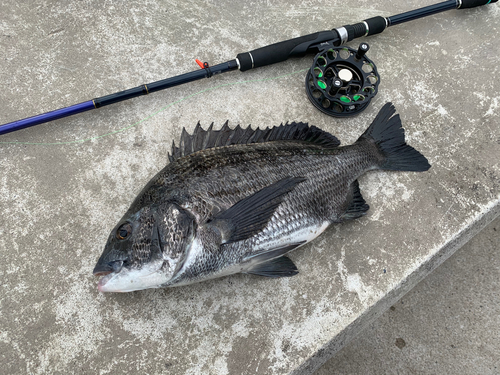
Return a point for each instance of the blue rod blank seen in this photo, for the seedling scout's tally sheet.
(45, 117)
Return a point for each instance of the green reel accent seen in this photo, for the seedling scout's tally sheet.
(342, 81)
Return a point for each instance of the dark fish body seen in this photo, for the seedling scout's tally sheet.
(238, 200)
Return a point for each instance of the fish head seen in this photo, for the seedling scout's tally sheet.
(145, 248)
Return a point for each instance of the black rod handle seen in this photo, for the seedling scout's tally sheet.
(281, 51)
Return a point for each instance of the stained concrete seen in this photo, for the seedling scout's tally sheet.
(65, 184)
(447, 324)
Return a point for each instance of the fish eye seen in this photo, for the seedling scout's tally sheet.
(124, 231)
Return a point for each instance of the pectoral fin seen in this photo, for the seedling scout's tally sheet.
(273, 263)
(251, 214)
(278, 267)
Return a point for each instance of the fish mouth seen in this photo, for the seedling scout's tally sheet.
(107, 273)
(102, 273)
(107, 268)
(101, 286)
(102, 269)
(129, 280)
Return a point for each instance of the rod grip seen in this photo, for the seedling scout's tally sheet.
(376, 25)
(475, 3)
(370, 26)
(281, 51)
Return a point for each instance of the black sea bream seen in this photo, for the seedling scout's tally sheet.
(238, 200)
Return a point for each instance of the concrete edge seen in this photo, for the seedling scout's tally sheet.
(314, 362)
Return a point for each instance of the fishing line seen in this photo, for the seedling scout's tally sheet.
(155, 113)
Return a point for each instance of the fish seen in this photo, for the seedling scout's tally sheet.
(238, 200)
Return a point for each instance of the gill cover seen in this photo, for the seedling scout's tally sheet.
(147, 257)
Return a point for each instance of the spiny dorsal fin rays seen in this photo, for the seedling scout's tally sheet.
(205, 138)
(185, 144)
(201, 139)
(235, 136)
(211, 137)
(223, 135)
(172, 155)
(246, 135)
(198, 137)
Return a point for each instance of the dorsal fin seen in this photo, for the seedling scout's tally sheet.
(204, 139)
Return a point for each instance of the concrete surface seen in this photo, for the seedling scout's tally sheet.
(447, 324)
(59, 199)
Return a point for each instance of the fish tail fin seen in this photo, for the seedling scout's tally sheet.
(387, 133)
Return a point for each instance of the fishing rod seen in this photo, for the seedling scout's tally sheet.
(340, 83)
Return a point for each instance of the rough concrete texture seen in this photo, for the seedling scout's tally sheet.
(59, 199)
(448, 324)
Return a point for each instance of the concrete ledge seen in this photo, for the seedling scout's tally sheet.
(442, 326)
(384, 303)
(59, 197)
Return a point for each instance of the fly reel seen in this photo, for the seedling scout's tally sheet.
(342, 81)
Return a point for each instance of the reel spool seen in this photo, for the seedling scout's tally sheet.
(342, 81)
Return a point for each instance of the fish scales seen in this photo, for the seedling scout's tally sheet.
(239, 206)
(222, 185)
(322, 197)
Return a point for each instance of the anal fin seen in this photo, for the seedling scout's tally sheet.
(358, 206)
(278, 267)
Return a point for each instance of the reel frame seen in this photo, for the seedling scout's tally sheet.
(342, 81)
